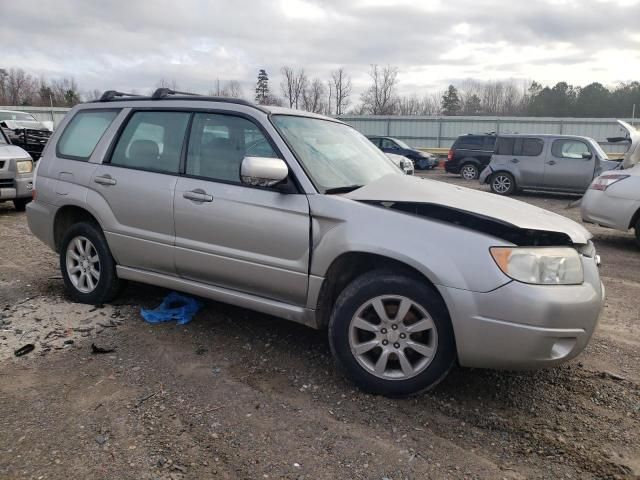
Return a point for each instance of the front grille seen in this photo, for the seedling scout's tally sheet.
(6, 182)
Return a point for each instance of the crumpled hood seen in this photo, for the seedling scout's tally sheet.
(17, 124)
(7, 152)
(404, 188)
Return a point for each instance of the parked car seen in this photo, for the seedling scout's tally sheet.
(559, 163)
(16, 174)
(321, 229)
(470, 154)
(403, 163)
(613, 200)
(422, 160)
(25, 131)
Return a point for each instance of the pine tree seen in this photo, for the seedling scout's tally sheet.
(262, 88)
(451, 101)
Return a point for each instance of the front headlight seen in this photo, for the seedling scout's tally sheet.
(540, 265)
(24, 166)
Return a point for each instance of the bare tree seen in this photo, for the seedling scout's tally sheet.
(232, 89)
(380, 97)
(19, 87)
(293, 85)
(312, 96)
(342, 90)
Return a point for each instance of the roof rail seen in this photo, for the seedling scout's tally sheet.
(111, 94)
(168, 94)
(164, 92)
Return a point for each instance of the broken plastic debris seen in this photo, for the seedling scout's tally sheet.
(173, 307)
(96, 349)
(29, 347)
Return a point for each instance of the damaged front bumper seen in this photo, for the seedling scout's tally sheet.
(485, 175)
(522, 326)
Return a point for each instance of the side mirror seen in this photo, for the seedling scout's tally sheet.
(587, 156)
(263, 171)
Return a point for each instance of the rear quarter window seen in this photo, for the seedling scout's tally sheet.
(470, 142)
(82, 134)
(524, 147)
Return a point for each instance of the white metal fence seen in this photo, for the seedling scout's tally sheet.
(440, 132)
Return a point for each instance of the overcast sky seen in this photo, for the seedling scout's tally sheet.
(132, 44)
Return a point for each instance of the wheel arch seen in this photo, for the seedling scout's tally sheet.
(635, 219)
(67, 216)
(350, 265)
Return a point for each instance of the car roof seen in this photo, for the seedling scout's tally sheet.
(542, 135)
(163, 96)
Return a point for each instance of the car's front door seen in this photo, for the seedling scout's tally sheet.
(249, 239)
(569, 165)
(133, 190)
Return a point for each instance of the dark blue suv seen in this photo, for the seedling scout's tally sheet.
(422, 160)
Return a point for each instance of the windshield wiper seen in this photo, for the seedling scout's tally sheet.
(345, 189)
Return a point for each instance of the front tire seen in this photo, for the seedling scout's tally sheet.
(391, 334)
(637, 231)
(88, 268)
(503, 183)
(20, 204)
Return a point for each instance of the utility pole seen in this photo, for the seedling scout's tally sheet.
(633, 115)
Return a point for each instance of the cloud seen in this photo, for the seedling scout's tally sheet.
(132, 45)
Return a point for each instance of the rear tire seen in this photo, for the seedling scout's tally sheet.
(503, 183)
(384, 354)
(469, 171)
(20, 204)
(87, 266)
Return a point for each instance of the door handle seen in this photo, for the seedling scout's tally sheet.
(105, 180)
(551, 162)
(198, 196)
(515, 160)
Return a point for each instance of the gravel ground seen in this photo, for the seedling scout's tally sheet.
(235, 394)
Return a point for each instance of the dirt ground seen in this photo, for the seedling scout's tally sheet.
(235, 394)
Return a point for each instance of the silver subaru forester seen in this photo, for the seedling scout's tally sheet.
(300, 216)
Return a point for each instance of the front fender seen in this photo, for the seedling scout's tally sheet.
(446, 254)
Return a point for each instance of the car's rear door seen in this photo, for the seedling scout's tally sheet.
(249, 239)
(132, 191)
(570, 165)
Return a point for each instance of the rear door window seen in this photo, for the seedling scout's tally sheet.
(153, 141)
(83, 133)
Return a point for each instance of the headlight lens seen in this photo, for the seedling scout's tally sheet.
(540, 265)
(24, 166)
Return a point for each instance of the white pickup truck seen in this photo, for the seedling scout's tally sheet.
(16, 174)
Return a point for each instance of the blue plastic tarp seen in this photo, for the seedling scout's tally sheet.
(173, 307)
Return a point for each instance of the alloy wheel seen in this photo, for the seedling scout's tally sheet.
(501, 184)
(83, 264)
(393, 337)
